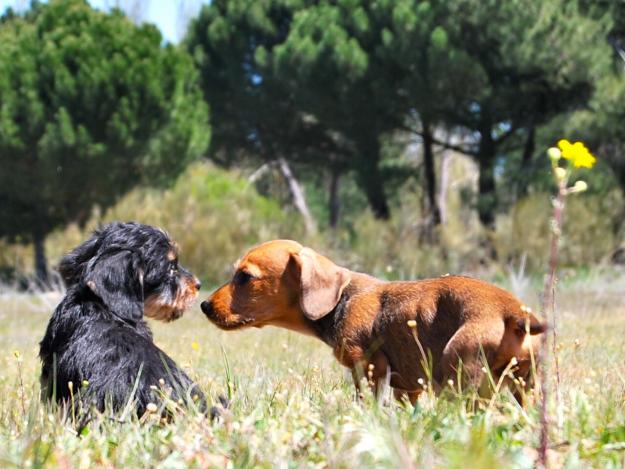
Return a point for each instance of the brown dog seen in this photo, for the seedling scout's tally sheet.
(381, 327)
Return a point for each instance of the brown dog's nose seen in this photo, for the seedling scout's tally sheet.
(207, 307)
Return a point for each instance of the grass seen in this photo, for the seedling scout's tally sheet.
(293, 405)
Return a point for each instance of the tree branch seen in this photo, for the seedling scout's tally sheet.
(297, 192)
(506, 135)
(446, 145)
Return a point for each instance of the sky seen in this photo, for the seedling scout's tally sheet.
(168, 15)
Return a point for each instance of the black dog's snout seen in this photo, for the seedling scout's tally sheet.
(198, 284)
(207, 307)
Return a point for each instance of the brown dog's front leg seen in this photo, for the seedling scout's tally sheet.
(374, 370)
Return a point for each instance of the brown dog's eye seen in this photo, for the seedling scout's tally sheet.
(241, 278)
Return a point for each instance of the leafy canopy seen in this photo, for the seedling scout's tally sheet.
(90, 106)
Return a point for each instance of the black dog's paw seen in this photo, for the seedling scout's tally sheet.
(218, 411)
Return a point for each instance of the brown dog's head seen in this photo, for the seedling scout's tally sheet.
(278, 283)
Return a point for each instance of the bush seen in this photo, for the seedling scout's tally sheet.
(212, 214)
(590, 234)
(401, 248)
(216, 215)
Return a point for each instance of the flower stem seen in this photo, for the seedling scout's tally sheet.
(549, 309)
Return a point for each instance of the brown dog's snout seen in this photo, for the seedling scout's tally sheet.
(207, 308)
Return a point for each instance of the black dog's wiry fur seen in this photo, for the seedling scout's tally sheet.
(97, 337)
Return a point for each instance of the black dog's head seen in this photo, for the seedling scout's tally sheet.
(134, 269)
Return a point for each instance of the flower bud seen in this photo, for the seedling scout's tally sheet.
(560, 173)
(579, 186)
(554, 154)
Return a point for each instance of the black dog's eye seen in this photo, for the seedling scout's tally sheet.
(241, 278)
(173, 269)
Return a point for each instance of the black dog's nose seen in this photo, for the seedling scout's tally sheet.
(198, 284)
(207, 307)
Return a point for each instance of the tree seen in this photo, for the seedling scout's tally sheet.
(254, 116)
(369, 69)
(321, 83)
(90, 106)
(600, 124)
(331, 63)
(533, 60)
(433, 76)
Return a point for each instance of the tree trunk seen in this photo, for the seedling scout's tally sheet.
(299, 200)
(333, 199)
(487, 197)
(442, 191)
(430, 175)
(41, 263)
(530, 146)
(521, 185)
(370, 179)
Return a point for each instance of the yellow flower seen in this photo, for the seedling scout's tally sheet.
(195, 346)
(577, 153)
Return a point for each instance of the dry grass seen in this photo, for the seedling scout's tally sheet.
(293, 405)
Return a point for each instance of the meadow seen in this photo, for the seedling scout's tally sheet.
(292, 405)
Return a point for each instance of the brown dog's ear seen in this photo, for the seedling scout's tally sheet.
(321, 283)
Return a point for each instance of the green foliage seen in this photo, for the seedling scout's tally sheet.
(335, 63)
(90, 106)
(326, 83)
(601, 120)
(252, 114)
(530, 62)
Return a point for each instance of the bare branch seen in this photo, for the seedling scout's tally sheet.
(446, 145)
(299, 200)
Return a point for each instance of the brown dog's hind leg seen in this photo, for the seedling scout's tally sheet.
(402, 395)
(467, 349)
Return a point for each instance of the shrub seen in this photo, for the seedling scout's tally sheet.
(589, 237)
(214, 216)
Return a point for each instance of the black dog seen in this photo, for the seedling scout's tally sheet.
(97, 338)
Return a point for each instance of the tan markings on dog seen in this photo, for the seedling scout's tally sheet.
(363, 319)
(162, 308)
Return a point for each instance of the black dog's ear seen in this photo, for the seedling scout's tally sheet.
(72, 266)
(118, 280)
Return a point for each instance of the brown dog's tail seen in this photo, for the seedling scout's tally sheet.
(524, 321)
